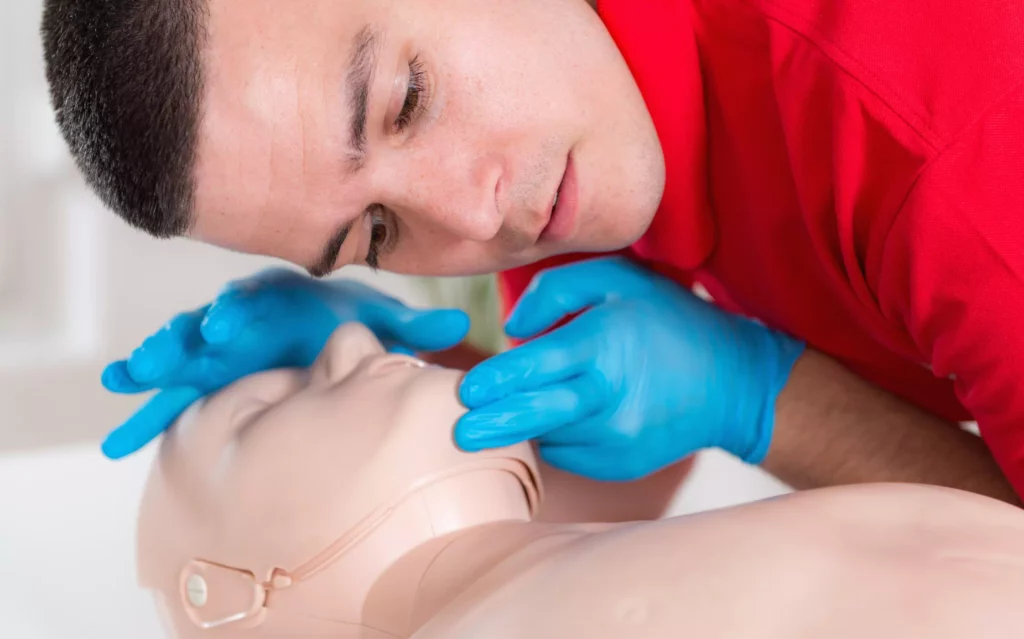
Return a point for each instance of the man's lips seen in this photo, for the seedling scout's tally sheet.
(563, 206)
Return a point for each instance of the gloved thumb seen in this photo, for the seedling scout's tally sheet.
(423, 330)
(563, 291)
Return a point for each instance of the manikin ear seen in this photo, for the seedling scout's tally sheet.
(348, 347)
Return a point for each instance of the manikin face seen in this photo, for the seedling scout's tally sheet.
(426, 137)
(282, 467)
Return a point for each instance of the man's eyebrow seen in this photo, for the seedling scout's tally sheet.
(329, 256)
(360, 76)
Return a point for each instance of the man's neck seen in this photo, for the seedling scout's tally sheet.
(659, 43)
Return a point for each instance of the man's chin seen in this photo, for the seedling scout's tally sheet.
(608, 241)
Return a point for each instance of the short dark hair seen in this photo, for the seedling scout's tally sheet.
(126, 82)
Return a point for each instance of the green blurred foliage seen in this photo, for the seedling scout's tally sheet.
(478, 296)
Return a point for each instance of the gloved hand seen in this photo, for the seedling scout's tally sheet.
(648, 375)
(276, 318)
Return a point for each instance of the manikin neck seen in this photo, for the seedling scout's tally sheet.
(425, 581)
(387, 583)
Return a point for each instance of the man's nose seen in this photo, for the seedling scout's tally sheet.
(456, 194)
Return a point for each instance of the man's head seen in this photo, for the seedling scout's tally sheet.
(125, 81)
(431, 137)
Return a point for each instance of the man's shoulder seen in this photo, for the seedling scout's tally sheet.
(937, 64)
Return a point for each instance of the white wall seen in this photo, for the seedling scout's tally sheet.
(77, 287)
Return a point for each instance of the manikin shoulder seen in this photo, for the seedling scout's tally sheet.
(880, 561)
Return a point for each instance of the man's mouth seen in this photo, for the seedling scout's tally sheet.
(562, 220)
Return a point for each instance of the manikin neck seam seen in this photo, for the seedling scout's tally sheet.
(279, 579)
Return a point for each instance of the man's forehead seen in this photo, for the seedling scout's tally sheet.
(271, 15)
(270, 169)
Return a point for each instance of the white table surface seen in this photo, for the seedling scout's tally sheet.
(67, 535)
(67, 539)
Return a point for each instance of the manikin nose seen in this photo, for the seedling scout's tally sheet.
(348, 347)
(385, 364)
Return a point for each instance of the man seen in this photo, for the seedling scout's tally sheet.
(846, 173)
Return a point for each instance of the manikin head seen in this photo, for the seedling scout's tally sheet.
(231, 121)
(293, 500)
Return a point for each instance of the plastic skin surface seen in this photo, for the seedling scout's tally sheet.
(333, 502)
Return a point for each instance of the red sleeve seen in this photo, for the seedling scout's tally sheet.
(952, 275)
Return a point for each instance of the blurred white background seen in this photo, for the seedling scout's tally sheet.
(78, 289)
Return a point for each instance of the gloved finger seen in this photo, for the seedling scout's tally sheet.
(391, 346)
(582, 432)
(420, 330)
(248, 299)
(225, 318)
(527, 415)
(600, 463)
(659, 445)
(236, 309)
(547, 360)
(163, 351)
(399, 348)
(116, 379)
(565, 290)
(155, 417)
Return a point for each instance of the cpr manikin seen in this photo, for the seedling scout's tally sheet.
(332, 502)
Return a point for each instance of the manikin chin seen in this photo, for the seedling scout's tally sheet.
(332, 502)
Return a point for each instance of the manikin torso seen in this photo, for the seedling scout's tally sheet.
(333, 503)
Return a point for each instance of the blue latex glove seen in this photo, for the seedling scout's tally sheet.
(276, 318)
(648, 375)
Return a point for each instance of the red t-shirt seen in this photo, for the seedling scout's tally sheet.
(860, 184)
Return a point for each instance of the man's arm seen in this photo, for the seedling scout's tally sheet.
(950, 275)
(834, 428)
